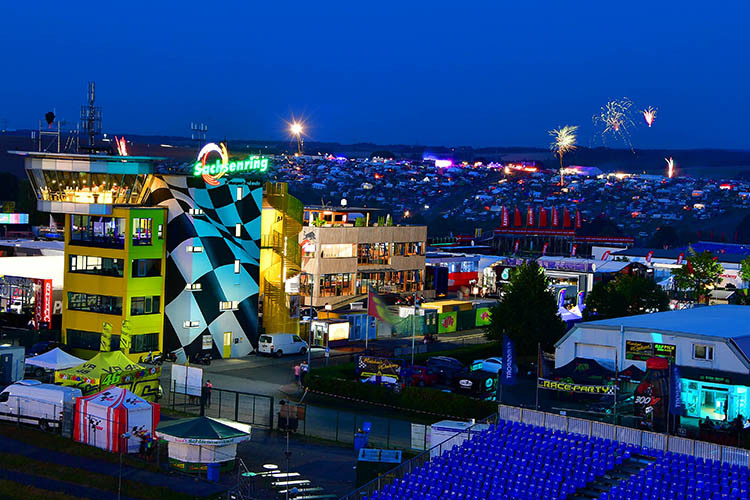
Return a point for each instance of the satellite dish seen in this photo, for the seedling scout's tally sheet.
(343, 202)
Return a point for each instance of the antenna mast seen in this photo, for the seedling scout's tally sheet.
(91, 116)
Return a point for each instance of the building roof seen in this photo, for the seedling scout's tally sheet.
(674, 253)
(723, 321)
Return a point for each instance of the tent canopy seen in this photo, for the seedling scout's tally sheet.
(585, 371)
(200, 430)
(56, 359)
(102, 364)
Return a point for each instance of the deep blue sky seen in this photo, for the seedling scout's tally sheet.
(439, 72)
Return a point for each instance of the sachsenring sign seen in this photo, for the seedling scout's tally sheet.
(212, 172)
(554, 385)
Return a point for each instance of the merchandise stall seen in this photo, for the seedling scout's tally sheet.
(56, 359)
(103, 419)
(113, 368)
(196, 442)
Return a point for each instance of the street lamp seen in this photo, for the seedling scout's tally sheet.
(296, 129)
(125, 436)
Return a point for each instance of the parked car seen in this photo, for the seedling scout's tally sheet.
(37, 371)
(445, 367)
(278, 344)
(423, 376)
(32, 402)
(492, 365)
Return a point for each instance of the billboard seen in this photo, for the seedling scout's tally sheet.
(368, 366)
(483, 316)
(447, 322)
(642, 351)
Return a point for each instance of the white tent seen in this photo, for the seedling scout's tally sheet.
(56, 359)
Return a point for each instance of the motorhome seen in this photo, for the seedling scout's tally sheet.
(32, 402)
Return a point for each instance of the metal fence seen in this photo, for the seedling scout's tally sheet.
(409, 466)
(244, 407)
(701, 449)
(341, 426)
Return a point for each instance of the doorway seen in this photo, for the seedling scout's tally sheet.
(227, 345)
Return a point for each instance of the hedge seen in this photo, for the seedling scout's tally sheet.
(342, 381)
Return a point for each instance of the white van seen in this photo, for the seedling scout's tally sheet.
(32, 402)
(278, 344)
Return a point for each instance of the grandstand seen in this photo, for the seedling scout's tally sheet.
(518, 461)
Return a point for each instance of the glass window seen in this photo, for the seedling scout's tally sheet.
(237, 266)
(145, 268)
(703, 352)
(192, 287)
(141, 231)
(82, 339)
(102, 304)
(191, 324)
(335, 285)
(374, 253)
(161, 232)
(228, 305)
(100, 266)
(144, 305)
(106, 232)
(193, 249)
(238, 230)
(239, 193)
(305, 284)
(144, 342)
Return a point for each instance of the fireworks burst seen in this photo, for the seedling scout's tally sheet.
(615, 119)
(649, 114)
(564, 141)
(670, 166)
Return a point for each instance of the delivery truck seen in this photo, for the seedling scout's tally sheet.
(35, 403)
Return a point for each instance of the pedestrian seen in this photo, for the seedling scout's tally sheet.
(297, 373)
(209, 386)
(303, 369)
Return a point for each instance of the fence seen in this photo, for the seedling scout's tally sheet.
(409, 466)
(244, 407)
(341, 425)
(700, 449)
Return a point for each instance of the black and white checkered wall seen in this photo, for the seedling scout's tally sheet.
(197, 282)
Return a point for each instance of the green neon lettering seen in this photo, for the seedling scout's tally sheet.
(251, 163)
(232, 166)
(264, 164)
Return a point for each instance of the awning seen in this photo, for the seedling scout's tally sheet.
(56, 359)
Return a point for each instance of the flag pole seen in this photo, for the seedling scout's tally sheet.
(539, 361)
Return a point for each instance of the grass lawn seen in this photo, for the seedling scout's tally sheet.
(15, 491)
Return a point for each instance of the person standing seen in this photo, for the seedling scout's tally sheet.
(209, 386)
(297, 373)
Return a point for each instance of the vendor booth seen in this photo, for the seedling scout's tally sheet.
(196, 442)
(103, 419)
(112, 368)
(56, 359)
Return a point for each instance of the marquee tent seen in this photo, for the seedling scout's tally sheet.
(56, 359)
(112, 368)
(102, 419)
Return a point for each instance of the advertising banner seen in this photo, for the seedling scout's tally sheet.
(508, 374)
(642, 351)
(368, 366)
(447, 322)
(554, 385)
(675, 385)
(187, 379)
(483, 316)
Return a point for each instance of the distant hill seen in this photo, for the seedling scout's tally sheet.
(695, 162)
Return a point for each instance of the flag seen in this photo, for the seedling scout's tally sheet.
(506, 217)
(125, 336)
(679, 258)
(580, 302)
(561, 298)
(517, 218)
(508, 376)
(555, 217)
(544, 248)
(529, 216)
(649, 255)
(675, 396)
(579, 220)
(515, 246)
(542, 217)
(566, 217)
(377, 308)
(106, 339)
(573, 250)
(605, 255)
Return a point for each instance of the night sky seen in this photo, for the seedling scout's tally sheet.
(437, 73)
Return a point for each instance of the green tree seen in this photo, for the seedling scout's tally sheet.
(527, 312)
(625, 296)
(745, 269)
(700, 273)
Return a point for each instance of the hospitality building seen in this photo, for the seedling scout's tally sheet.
(710, 345)
(167, 258)
(340, 262)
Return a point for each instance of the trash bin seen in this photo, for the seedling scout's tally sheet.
(360, 441)
(212, 472)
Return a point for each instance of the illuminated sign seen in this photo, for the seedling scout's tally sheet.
(572, 387)
(14, 218)
(212, 172)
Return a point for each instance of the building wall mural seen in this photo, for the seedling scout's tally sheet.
(212, 274)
